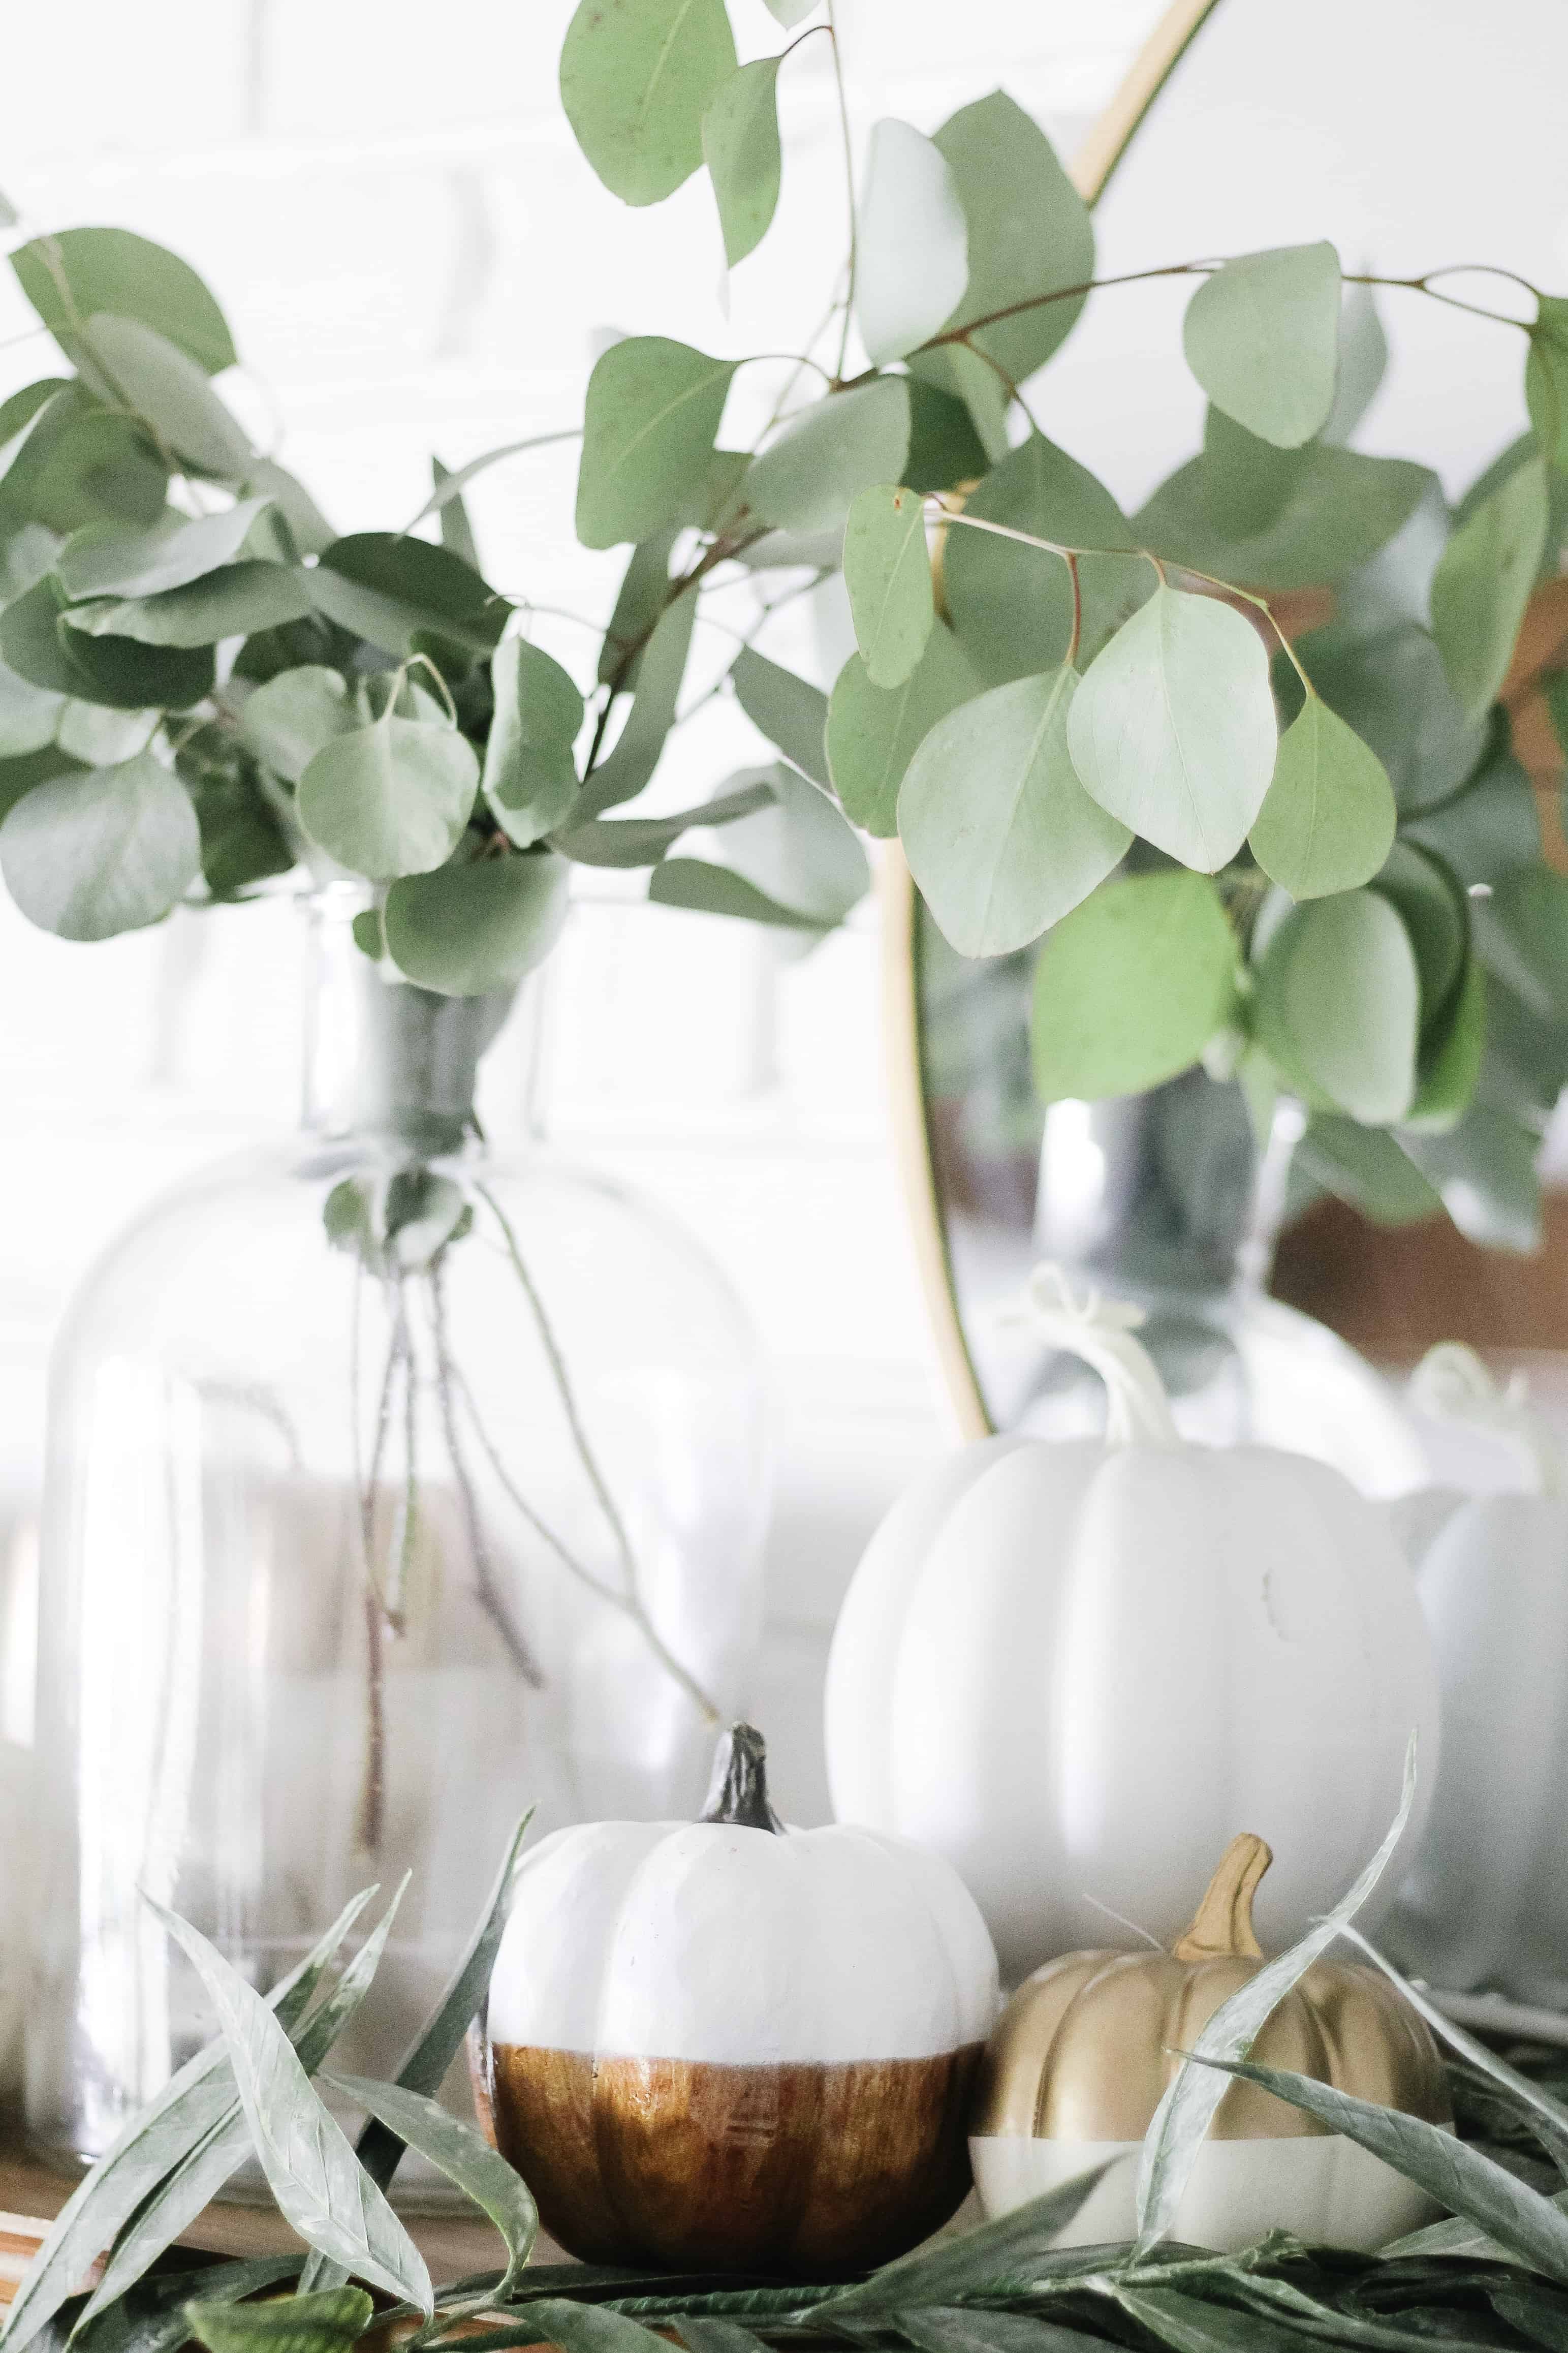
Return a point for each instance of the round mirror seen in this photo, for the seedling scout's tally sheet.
(1417, 148)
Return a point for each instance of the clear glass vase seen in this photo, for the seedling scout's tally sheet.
(392, 1488)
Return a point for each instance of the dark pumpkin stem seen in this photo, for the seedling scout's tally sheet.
(739, 1790)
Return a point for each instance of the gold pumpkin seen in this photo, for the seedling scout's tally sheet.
(1086, 2047)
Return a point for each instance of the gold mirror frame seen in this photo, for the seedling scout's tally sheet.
(1090, 170)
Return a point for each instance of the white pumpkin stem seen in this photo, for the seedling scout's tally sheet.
(1101, 1329)
(1452, 1384)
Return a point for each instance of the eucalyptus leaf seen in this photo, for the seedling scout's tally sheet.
(392, 799)
(1529, 914)
(100, 737)
(873, 732)
(1338, 1004)
(652, 416)
(1262, 336)
(1483, 586)
(98, 562)
(643, 841)
(912, 256)
(80, 463)
(530, 777)
(1173, 729)
(1363, 362)
(108, 851)
(740, 149)
(1012, 606)
(287, 721)
(157, 2138)
(636, 80)
(1546, 379)
(1489, 830)
(790, 13)
(326, 2322)
(1342, 507)
(32, 645)
(705, 889)
(232, 602)
(1328, 818)
(1131, 987)
(451, 482)
(999, 836)
(887, 572)
(944, 448)
(789, 710)
(1030, 238)
(1368, 1167)
(1435, 914)
(630, 764)
(1484, 1170)
(798, 850)
(386, 587)
(69, 276)
(452, 519)
(948, 2270)
(129, 675)
(644, 592)
(1391, 687)
(30, 715)
(811, 474)
(313, 534)
(1449, 1077)
(160, 384)
(320, 2187)
(466, 930)
(1182, 2118)
(982, 387)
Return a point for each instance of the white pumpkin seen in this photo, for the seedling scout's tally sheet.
(1485, 1902)
(1078, 1670)
(723, 2042)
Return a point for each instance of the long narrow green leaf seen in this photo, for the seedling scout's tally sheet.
(1534, 2229)
(1189, 2326)
(453, 485)
(153, 2317)
(154, 2141)
(480, 2172)
(945, 2273)
(173, 2205)
(943, 2329)
(1280, 2299)
(292, 2324)
(1182, 2118)
(590, 2328)
(318, 2183)
(1547, 2117)
(706, 2332)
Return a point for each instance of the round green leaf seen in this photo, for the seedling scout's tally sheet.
(741, 148)
(235, 602)
(649, 427)
(1173, 729)
(30, 715)
(912, 260)
(128, 675)
(103, 561)
(789, 710)
(1328, 818)
(809, 477)
(1338, 1004)
(285, 722)
(1000, 835)
(112, 270)
(1436, 912)
(873, 732)
(159, 382)
(107, 850)
(1339, 506)
(465, 930)
(1012, 605)
(887, 571)
(1262, 337)
(390, 799)
(1482, 585)
(1131, 987)
(32, 644)
(530, 777)
(798, 850)
(387, 587)
(637, 78)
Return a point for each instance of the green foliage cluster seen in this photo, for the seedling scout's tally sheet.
(1316, 866)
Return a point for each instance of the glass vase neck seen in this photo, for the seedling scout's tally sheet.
(384, 1059)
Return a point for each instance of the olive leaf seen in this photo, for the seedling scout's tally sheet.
(887, 572)
(630, 764)
(76, 273)
(329, 2322)
(1182, 2120)
(1262, 336)
(1011, 604)
(1338, 1004)
(107, 850)
(530, 778)
(1328, 818)
(1172, 728)
(740, 149)
(950, 2269)
(1000, 835)
(809, 476)
(873, 732)
(635, 82)
(649, 425)
(710, 2333)
(1482, 585)
(465, 930)
(105, 562)
(455, 2149)
(1131, 987)
(390, 799)
(319, 2187)
(913, 252)
(154, 2141)
(287, 721)
(589, 2328)
(790, 712)
(158, 381)
(945, 2328)
(233, 602)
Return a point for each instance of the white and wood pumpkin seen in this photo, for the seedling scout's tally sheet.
(732, 2045)
(1085, 2049)
(1485, 1905)
(1076, 1670)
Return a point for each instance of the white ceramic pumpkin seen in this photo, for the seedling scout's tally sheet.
(1485, 1905)
(728, 2044)
(1076, 1670)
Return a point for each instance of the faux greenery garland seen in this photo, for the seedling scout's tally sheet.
(1316, 866)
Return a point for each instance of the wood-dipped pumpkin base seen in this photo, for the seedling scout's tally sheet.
(799, 2168)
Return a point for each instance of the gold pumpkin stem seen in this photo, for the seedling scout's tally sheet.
(1222, 1924)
